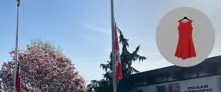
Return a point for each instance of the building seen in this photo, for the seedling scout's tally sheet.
(205, 77)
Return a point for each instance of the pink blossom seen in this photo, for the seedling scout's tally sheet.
(43, 67)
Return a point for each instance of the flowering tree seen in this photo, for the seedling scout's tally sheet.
(42, 69)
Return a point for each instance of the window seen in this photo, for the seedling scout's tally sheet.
(161, 88)
(219, 69)
(190, 75)
(174, 87)
(171, 79)
(204, 72)
(139, 83)
(138, 90)
(161, 79)
(219, 83)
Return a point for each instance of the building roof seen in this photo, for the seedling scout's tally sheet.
(166, 70)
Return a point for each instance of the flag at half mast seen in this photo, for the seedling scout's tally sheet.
(18, 79)
(117, 60)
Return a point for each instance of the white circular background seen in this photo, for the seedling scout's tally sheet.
(203, 36)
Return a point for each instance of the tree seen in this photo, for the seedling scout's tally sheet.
(127, 59)
(43, 68)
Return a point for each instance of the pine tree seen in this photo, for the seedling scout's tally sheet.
(127, 59)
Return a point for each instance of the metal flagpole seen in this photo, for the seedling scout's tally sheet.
(113, 50)
(16, 47)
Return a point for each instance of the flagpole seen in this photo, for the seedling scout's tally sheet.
(16, 46)
(113, 50)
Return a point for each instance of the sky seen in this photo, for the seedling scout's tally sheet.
(82, 28)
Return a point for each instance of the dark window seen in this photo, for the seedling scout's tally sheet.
(190, 75)
(213, 69)
(161, 79)
(171, 79)
(174, 87)
(162, 88)
(139, 83)
(139, 90)
(219, 83)
(219, 69)
(150, 80)
(204, 72)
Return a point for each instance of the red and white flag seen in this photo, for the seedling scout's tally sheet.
(117, 56)
(18, 80)
(17, 76)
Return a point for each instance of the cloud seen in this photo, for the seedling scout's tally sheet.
(154, 61)
(96, 28)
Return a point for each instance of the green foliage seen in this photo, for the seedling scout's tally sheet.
(46, 45)
(127, 59)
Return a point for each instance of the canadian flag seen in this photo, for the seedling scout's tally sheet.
(17, 75)
(18, 80)
(117, 56)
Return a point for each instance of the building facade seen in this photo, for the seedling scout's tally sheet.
(205, 77)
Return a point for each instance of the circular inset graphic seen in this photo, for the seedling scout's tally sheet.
(185, 37)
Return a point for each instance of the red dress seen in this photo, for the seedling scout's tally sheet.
(185, 47)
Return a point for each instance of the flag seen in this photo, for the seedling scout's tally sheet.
(117, 56)
(18, 80)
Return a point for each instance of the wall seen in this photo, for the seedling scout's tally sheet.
(147, 89)
(206, 84)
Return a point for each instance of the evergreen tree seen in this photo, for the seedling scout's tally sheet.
(127, 59)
